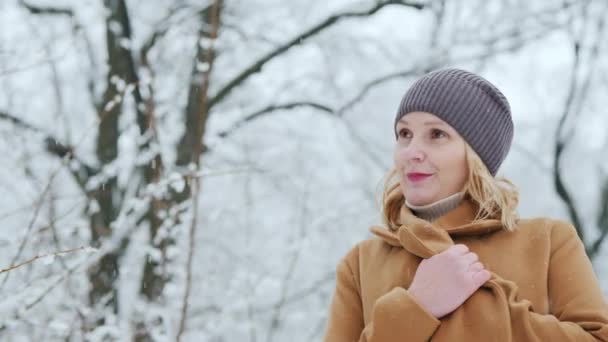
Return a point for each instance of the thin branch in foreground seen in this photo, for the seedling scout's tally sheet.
(54, 254)
(30, 226)
(51, 286)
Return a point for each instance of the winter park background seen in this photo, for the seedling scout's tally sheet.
(192, 170)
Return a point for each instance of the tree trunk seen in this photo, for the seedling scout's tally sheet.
(156, 271)
(106, 196)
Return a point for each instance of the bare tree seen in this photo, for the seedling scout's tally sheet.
(583, 69)
(170, 214)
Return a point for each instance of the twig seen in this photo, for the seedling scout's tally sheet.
(271, 109)
(80, 178)
(47, 10)
(58, 253)
(30, 226)
(191, 246)
(302, 294)
(54, 146)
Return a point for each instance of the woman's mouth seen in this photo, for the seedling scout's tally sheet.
(417, 176)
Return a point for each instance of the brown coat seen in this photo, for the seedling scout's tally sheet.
(542, 289)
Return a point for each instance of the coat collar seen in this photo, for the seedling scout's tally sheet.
(426, 239)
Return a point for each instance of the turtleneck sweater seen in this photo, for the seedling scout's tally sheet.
(431, 212)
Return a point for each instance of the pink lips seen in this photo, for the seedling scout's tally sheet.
(417, 176)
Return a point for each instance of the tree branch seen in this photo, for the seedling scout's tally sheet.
(602, 221)
(560, 144)
(56, 148)
(47, 10)
(341, 111)
(576, 95)
(190, 147)
(257, 66)
(271, 109)
(163, 27)
(18, 122)
(214, 12)
(378, 81)
(29, 261)
(301, 294)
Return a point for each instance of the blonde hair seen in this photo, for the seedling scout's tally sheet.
(497, 198)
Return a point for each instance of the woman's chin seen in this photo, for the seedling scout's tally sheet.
(419, 200)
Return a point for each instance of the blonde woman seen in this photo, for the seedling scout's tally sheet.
(454, 262)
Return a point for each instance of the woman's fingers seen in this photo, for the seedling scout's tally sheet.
(481, 277)
(476, 267)
(459, 249)
(470, 258)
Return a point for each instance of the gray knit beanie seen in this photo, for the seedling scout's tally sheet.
(473, 106)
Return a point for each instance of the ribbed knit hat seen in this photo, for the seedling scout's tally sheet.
(469, 103)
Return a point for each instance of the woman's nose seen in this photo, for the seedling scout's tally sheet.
(413, 152)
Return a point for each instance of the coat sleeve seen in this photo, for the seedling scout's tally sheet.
(578, 310)
(395, 315)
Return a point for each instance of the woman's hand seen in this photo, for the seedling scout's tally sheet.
(444, 281)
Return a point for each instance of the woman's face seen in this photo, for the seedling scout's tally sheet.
(430, 157)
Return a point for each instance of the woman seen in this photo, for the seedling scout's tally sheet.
(456, 263)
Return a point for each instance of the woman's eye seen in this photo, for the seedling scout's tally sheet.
(437, 134)
(404, 133)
